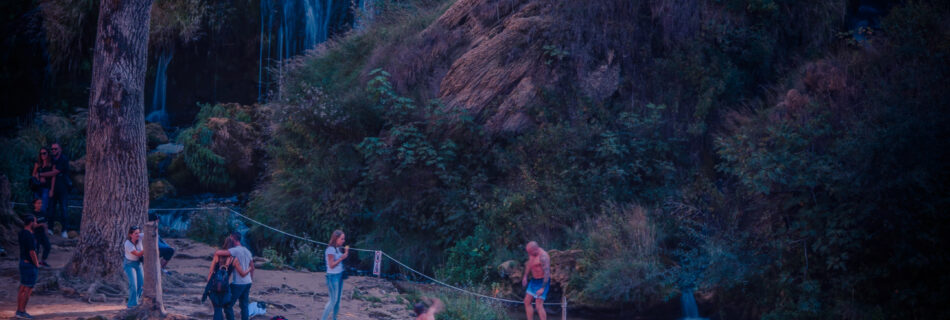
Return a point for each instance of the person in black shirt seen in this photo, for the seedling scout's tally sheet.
(58, 205)
(39, 232)
(29, 266)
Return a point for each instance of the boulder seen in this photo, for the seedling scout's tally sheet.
(78, 165)
(160, 188)
(155, 135)
(156, 162)
(170, 148)
(79, 183)
(178, 174)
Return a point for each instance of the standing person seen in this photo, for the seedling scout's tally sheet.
(424, 312)
(29, 267)
(133, 265)
(45, 189)
(241, 284)
(335, 272)
(539, 266)
(217, 288)
(58, 203)
(39, 231)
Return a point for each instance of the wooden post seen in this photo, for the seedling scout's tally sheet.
(564, 307)
(152, 268)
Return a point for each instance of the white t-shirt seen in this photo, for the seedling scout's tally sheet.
(245, 259)
(129, 247)
(336, 256)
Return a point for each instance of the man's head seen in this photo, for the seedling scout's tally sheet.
(420, 308)
(29, 221)
(37, 205)
(532, 248)
(55, 149)
(236, 236)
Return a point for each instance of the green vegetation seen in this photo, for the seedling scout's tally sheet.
(716, 185)
(23, 149)
(459, 307)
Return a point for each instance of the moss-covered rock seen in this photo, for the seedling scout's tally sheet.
(178, 174)
(155, 135)
(160, 188)
(156, 162)
(224, 149)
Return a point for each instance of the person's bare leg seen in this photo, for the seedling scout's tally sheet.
(539, 303)
(19, 299)
(528, 310)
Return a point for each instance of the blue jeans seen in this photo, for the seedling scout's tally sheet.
(133, 270)
(335, 284)
(59, 209)
(239, 294)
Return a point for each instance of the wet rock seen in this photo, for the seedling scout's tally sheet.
(170, 148)
(160, 188)
(157, 162)
(155, 135)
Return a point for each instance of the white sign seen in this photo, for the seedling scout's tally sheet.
(377, 261)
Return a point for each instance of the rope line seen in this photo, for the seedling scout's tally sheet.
(400, 263)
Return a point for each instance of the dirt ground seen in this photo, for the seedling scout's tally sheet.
(292, 294)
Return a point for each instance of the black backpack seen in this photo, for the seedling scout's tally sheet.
(219, 280)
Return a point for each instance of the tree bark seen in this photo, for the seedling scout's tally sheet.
(152, 268)
(116, 192)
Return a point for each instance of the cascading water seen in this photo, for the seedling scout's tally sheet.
(158, 113)
(690, 310)
(291, 27)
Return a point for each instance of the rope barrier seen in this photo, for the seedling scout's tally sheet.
(235, 212)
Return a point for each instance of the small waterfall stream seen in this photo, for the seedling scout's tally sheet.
(690, 310)
(158, 113)
(291, 27)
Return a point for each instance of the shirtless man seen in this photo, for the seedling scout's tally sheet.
(424, 312)
(539, 266)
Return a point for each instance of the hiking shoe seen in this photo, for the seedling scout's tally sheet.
(23, 315)
(43, 263)
(65, 235)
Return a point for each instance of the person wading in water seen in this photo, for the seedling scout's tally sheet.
(539, 266)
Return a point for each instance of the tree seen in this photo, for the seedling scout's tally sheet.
(116, 194)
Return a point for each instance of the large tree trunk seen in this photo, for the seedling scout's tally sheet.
(116, 191)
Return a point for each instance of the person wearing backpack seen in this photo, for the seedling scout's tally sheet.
(133, 265)
(218, 289)
(241, 284)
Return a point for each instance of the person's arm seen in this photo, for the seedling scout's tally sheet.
(52, 186)
(51, 173)
(214, 262)
(222, 253)
(524, 279)
(334, 262)
(138, 253)
(546, 265)
(435, 306)
(36, 261)
(36, 166)
(241, 271)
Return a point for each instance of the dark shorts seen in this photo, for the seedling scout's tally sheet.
(534, 285)
(28, 273)
(166, 253)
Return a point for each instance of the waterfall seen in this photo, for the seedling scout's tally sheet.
(291, 27)
(690, 310)
(158, 113)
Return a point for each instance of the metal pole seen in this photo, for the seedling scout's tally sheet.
(563, 307)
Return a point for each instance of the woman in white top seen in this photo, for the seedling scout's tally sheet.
(335, 272)
(133, 266)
